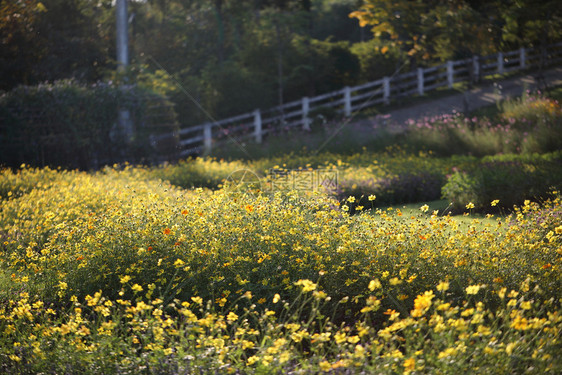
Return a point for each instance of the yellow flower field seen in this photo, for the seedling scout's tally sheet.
(121, 272)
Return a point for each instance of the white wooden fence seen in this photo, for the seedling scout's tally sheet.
(256, 124)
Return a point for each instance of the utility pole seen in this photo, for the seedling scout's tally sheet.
(125, 123)
(122, 35)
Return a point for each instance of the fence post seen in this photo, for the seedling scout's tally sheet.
(257, 126)
(207, 137)
(305, 110)
(476, 69)
(450, 78)
(386, 90)
(522, 57)
(500, 62)
(420, 81)
(347, 101)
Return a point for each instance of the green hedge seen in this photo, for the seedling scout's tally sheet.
(75, 126)
(511, 179)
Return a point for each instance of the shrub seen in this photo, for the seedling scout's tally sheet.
(71, 125)
(511, 179)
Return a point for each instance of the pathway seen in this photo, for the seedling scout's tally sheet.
(484, 95)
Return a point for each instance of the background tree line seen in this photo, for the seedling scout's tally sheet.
(234, 56)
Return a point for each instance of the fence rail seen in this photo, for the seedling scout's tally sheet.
(351, 99)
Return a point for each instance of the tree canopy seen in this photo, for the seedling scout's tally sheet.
(235, 56)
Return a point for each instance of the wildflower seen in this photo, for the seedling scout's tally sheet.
(374, 284)
(325, 366)
(231, 317)
(372, 197)
(410, 364)
(167, 231)
(351, 199)
(447, 353)
(472, 289)
(179, 263)
(495, 202)
(253, 359)
(509, 348)
(276, 298)
(469, 206)
(197, 300)
(393, 315)
(422, 303)
(307, 285)
(424, 208)
(443, 286)
(136, 288)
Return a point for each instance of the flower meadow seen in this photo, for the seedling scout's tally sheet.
(120, 271)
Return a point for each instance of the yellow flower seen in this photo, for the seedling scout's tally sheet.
(472, 289)
(231, 317)
(197, 300)
(276, 298)
(351, 199)
(424, 208)
(125, 279)
(374, 284)
(443, 286)
(402, 297)
(495, 202)
(422, 303)
(469, 206)
(253, 359)
(410, 364)
(447, 353)
(325, 366)
(372, 197)
(137, 288)
(395, 281)
(509, 348)
(307, 285)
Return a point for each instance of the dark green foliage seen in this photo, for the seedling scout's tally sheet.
(511, 179)
(375, 64)
(75, 126)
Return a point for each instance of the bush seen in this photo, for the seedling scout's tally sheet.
(511, 179)
(72, 125)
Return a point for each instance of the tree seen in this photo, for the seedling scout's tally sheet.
(38, 46)
(532, 23)
(434, 29)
